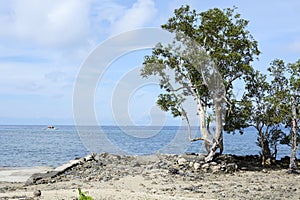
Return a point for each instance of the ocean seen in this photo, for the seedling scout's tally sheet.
(27, 146)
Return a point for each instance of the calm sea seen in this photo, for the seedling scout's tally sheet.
(25, 146)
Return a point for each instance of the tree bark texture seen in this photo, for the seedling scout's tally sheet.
(293, 165)
(218, 136)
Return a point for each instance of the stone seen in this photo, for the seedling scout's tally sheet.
(223, 168)
(246, 191)
(231, 167)
(136, 164)
(37, 193)
(68, 165)
(205, 166)
(39, 176)
(90, 157)
(181, 161)
(215, 168)
(174, 171)
(197, 166)
(201, 157)
(154, 191)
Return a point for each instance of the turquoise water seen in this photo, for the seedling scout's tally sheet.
(25, 146)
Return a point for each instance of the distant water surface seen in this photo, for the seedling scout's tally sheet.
(25, 146)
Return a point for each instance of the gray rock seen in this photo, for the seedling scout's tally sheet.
(200, 157)
(135, 164)
(68, 165)
(215, 168)
(90, 157)
(174, 171)
(181, 161)
(197, 166)
(223, 168)
(205, 166)
(231, 167)
(246, 191)
(39, 176)
(37, 193)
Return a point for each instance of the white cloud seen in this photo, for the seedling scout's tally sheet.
(47, 23)
(141, 13)
(42, 43)
(34, 78)
(107, 10)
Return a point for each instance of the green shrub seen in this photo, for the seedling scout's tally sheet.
(83, 196)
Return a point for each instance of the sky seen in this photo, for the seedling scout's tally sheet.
(44, 45)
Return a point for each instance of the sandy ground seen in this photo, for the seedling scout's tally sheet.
(239, 185)
(20, 174)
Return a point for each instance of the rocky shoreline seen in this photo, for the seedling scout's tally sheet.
(228, 176)
(105, 167)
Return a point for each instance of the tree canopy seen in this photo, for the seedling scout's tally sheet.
(267, 105)
(210, 51)
(214, 44)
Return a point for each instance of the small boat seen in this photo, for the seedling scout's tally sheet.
(51, 127)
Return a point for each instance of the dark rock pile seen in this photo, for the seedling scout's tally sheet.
(105, 167)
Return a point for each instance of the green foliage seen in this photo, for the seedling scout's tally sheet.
(169, 102)
(220, 36)
(267, 105)
(83, 196)
(285, 88)
(223, 34)
(182, 60)
(261, 113)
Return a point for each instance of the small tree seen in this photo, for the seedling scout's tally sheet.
(219, 35)
(271, 106)
(257, 109)
(285, 95)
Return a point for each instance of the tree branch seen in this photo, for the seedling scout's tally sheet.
(200, 138)
(238, 75)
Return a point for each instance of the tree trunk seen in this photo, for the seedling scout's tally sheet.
(265, 152)
(203, 128)
(218, 136)
(265, 149)
(293, 165)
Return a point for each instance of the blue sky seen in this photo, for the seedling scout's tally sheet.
(44, 43)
